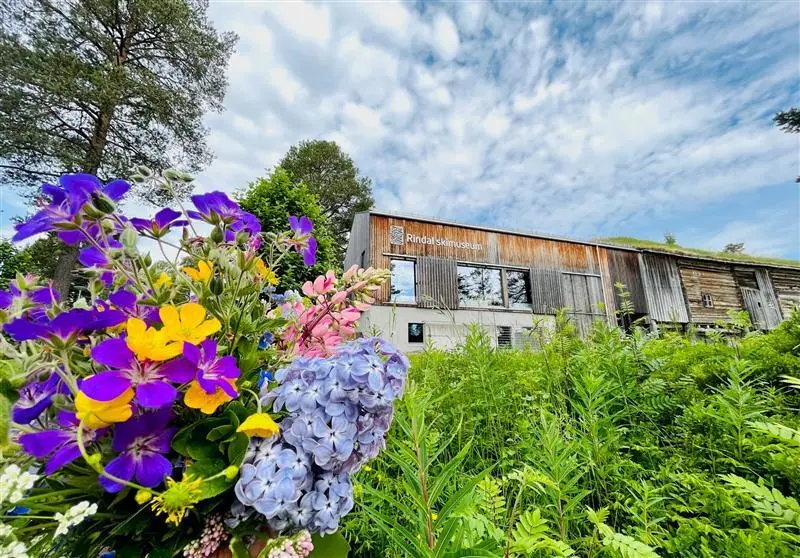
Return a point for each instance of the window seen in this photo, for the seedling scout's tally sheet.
(415, 331)
(519, 289)
(707, 299)
(403, 282)
(478, 286)
(503, 336)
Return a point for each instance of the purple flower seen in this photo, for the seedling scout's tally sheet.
(66, 326)
(141, 442)
(66, 202)
(150, 380)
(60, 444)
(92, 256)
(301, 239)
(161, 223)
(127, 302)
(38, 296)
(34, 398)
(217, 207)
(202, 364)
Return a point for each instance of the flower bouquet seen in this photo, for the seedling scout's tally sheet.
(183, 407)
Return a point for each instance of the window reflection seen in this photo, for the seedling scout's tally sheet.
(519, 289)
(479, 286)
(403, 284)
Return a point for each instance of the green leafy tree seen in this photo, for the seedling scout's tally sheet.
(332, 175)
(273, 199)
(102, 85)
(12, 261)
(734, 248)
(789, 122)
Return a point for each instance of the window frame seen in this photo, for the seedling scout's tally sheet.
(484, 282)
(421, 332)
(413, 263)
(707, 300)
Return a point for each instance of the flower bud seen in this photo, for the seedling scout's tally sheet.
(102, 203)
(216, 286)
(142, 496)
(216, 235)
(231, 472)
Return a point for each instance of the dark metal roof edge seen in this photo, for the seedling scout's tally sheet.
(544, 236)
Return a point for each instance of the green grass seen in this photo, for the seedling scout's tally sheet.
(677, 249)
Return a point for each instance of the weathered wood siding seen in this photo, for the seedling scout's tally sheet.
(772, 312)
(712, 278)
(623, 267)
(546, 292)
(437, 283)
(358, 244)
(583, 296)
(662, 287)
(787, 288)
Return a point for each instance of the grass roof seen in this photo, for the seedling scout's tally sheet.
(677, 249)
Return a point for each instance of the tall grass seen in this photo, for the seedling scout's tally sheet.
(620, 445)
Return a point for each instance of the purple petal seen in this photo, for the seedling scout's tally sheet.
(21, 329)
(161, 442)
(153, 395)
(116, 189)
(191, 353)
(107, 318)
(41, 444)
(37, 224)
(114, 353)
(209, 347)
(79, 183)
(123, 299)
(6, 299)
(92, 257)
(45, 295)
(105, 386)
(310, 253)
(68, 418)
(165, 217)
(151, 469)
(306, 226)
(55, 193)
(178, 370)
(141, 224)
(71, 237)
(64, 456)
(121, 467)
(294, 224)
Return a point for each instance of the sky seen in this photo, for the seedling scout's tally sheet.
(578, 119)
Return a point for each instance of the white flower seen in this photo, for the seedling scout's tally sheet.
(76, 514)
(14, 550)
(14, 483)
(5, 530)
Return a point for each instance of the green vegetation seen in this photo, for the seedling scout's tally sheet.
(677, 249)
(616, 446)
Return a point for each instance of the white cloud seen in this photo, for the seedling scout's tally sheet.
(445, 37)
(306, 21)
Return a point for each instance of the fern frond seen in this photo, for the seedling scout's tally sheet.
(627, 546)
(785, 433)
(531, 534)
(791, 381)
(768, 502)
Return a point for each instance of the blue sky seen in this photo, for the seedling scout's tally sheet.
(586, 120)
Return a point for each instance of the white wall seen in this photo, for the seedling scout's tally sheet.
(444, 329)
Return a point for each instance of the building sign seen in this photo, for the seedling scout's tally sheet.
(397, 236)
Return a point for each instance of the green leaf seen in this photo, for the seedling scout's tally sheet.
(220, 432)
(329, 546)
(238, 448)
(208, 468)
(238, 548)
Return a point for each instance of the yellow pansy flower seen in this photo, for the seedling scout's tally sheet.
(149, 344)
(260, 425)
(266, 272)
(99, 414)
(208, 403)
(202, 273)
(163, 280)
(187, 323)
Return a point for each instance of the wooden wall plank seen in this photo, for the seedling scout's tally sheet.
(715, 279)
(662, 286)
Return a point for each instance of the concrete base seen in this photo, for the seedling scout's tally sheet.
(447, 329)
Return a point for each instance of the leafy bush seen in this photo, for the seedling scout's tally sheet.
(622, 445)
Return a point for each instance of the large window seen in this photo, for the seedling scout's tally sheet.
(479, 286)
(519, 289)
(403, 282)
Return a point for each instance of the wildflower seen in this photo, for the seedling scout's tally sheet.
(65, 327)
(188, 323)
(265, 272)
(265, 340)
(25, 296)
(60, 444)
(203, 272)
(142, 497)
(127, 302)
(163, 281)
(99, 414)
(34, 398)
(74, 516)
(141, 443)
(14, 483)
(150, 380)
(94, 256)
(149, 344)
(259, 424)
(301, 240)
(160, 224)
(67, 200)
(14, 549)
(197, 398)
(5, 531)
(265, 376)
(178, 498)
(216, 208)
(202, 364)
(210, 539)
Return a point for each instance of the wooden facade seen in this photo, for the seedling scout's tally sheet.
(578, 276)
